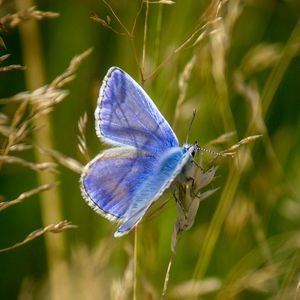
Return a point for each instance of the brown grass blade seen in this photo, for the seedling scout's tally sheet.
(46, 166)
(26, 195)
(81, 137)
(53, 228)
(12, 68)
(13, 20)
(242, 142)
(69, 74)
(65, 161)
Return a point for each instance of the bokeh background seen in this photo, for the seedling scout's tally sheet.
(235, 62)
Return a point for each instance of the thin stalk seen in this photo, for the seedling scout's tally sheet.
(50, 202)
(145, 37)
(217, 223)
(234, 175)
(135, 262)
(130, 36)
(290, 50)
(167, 276)
(157, 35)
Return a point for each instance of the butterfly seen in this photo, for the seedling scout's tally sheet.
(122, 182)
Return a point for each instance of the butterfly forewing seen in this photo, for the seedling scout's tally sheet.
(126, 115)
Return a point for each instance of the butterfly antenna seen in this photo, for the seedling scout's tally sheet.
(190, 126)
(217, 154)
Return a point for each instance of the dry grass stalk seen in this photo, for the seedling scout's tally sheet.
(81, 137)
(199, 32)
(3, 118)
(252, 272)
(183, 85)
(47, 96)
(190, 197)
(4, 57)
(53, 228)
(187, 203)
(231, 151)
(10, 67)
(2, 44)
(17, 131)
(46, 166)
(90, 270)
(26, 195)
(159, 2)
(222, 139)
(126, 31)
(5, 131)
(121, 288)
(15, 135)
(68, 162)
(104, 23)
(260, 57)
(145, 37)
(251, 94)
(69, 74)
(244, 141)
(20, 147)
(13, 20)
(43, 99)
(203, 29)
(195, 288)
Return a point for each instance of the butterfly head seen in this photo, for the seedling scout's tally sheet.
(193, 149)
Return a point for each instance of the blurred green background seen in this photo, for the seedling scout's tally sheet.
(245, 78)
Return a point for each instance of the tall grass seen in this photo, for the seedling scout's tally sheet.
(235, 62)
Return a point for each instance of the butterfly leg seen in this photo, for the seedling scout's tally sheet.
(198, 166)
(180, 206)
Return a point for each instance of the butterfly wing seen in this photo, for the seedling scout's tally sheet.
(126, 115)
(167, 168)
(110, 180)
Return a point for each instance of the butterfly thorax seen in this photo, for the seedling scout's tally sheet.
(187, 171)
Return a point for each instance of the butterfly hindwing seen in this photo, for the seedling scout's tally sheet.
(110, 180)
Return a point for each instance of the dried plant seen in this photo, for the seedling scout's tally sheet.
(49, 166)
(43, 101)
(26, 195)
(160, 2)
(13, 20)
(53, 228)
(10, 67)
(68, 162)
(187, 204)
(16, 130)
(81, 137)
(192, 289)
(121, 288)
(189, 196)
(183, 85)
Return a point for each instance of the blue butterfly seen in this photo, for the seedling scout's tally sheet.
(121, 183)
